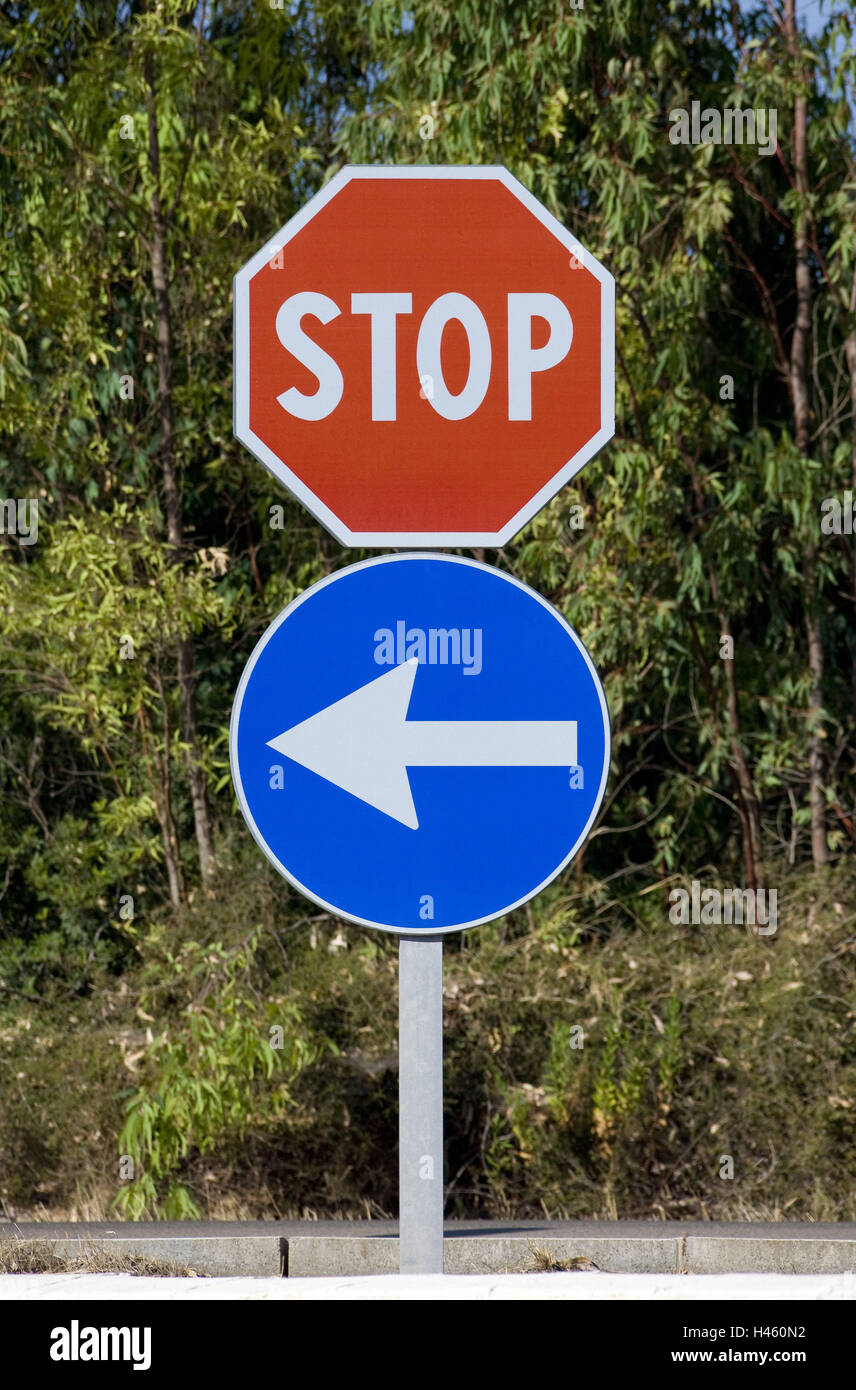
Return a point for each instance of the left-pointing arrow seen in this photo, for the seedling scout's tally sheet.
(364, 743)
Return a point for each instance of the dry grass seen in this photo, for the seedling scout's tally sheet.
(42, 1257)
(544, 1262)
(698, 1043)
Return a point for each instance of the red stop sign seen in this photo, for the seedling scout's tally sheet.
(424, 356)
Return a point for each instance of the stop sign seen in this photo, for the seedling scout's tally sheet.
(424, 356)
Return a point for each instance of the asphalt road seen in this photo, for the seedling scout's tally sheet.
(792, 1230)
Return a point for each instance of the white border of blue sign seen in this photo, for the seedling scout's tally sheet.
(280, 469)
(236, 713)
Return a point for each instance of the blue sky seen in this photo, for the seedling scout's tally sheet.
(811, 14)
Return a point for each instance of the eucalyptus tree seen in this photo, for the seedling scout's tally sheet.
(146, 150)
(687, 577)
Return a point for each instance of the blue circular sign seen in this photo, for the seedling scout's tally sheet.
(420, 743)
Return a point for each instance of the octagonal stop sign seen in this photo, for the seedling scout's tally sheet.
(424, 356)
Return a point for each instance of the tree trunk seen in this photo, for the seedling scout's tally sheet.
(163, 801)
(172, 497)
(802, 434)
(748, 807)
(750, 810)
(850, 351)
(817, 800)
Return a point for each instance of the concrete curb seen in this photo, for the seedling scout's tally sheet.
(220, 1256)
(311, 1257)
(762, 1255)
(319, 1256)
(324, 1256)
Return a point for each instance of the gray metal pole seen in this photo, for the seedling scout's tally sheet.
(420, 1097)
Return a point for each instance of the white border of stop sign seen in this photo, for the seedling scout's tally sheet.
(383, 311)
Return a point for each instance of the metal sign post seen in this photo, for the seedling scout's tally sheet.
(392, 714)
(375, 758)
(420, 1098)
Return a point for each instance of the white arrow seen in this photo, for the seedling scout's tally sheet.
(364, 743)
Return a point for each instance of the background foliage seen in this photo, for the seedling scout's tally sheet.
(146, 952)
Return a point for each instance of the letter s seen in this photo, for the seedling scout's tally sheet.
(330, 383)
